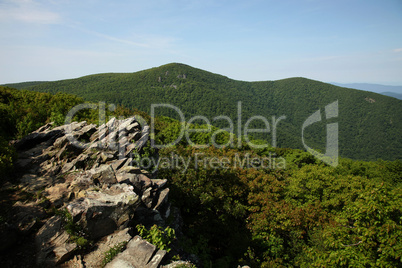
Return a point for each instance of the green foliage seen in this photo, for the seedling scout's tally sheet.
(112, 252)
(308, 214)
(158, 237)
(192, 134)
(25, 111)
(7, 156)
(185, 266)
(365, 233)
(24, 84)
(57, 117)
(77, 234)
(305, 215)
(197, 92)
(22, 111)
(145, 158)
(214, 205)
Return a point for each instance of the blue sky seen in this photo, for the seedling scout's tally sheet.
(331, 41)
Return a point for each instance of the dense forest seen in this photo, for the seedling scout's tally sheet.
(369, 123)
(290, 211)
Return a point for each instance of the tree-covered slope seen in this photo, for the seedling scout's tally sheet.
(23, 85)
(369, 123)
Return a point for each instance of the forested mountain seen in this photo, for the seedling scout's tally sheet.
(23, 85)
(369, 123)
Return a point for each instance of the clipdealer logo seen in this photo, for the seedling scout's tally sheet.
(330, 156)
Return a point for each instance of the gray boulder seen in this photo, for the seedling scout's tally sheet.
(104, 175)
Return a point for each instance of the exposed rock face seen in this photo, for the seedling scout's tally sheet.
(86, 171)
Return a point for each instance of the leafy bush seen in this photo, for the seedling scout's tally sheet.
(77, 234)
(308, 214)
(7, 156)
(158, 237)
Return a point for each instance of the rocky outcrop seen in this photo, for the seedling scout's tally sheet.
(182, 76)
(86, 173)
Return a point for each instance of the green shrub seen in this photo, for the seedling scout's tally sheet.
(7, 157)
(77, 234)
(156, 236)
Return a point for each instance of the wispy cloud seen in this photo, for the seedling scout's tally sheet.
(321, 58)
(115, 39)
(137, 40)
(27, 11)
(397, 50)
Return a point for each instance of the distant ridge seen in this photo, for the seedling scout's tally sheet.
(369, 123)
(372, 87)
(392, 94)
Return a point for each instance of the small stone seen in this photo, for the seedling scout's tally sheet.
(105, 175)
(159, 183)
(67, 167)
(162, 199)
(147, 197)
(117, 164)
(130, 169)
(132, 127)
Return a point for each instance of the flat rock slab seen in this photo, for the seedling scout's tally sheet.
(94, 259)
(53, 243)
(139, 253)
(105, 175)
